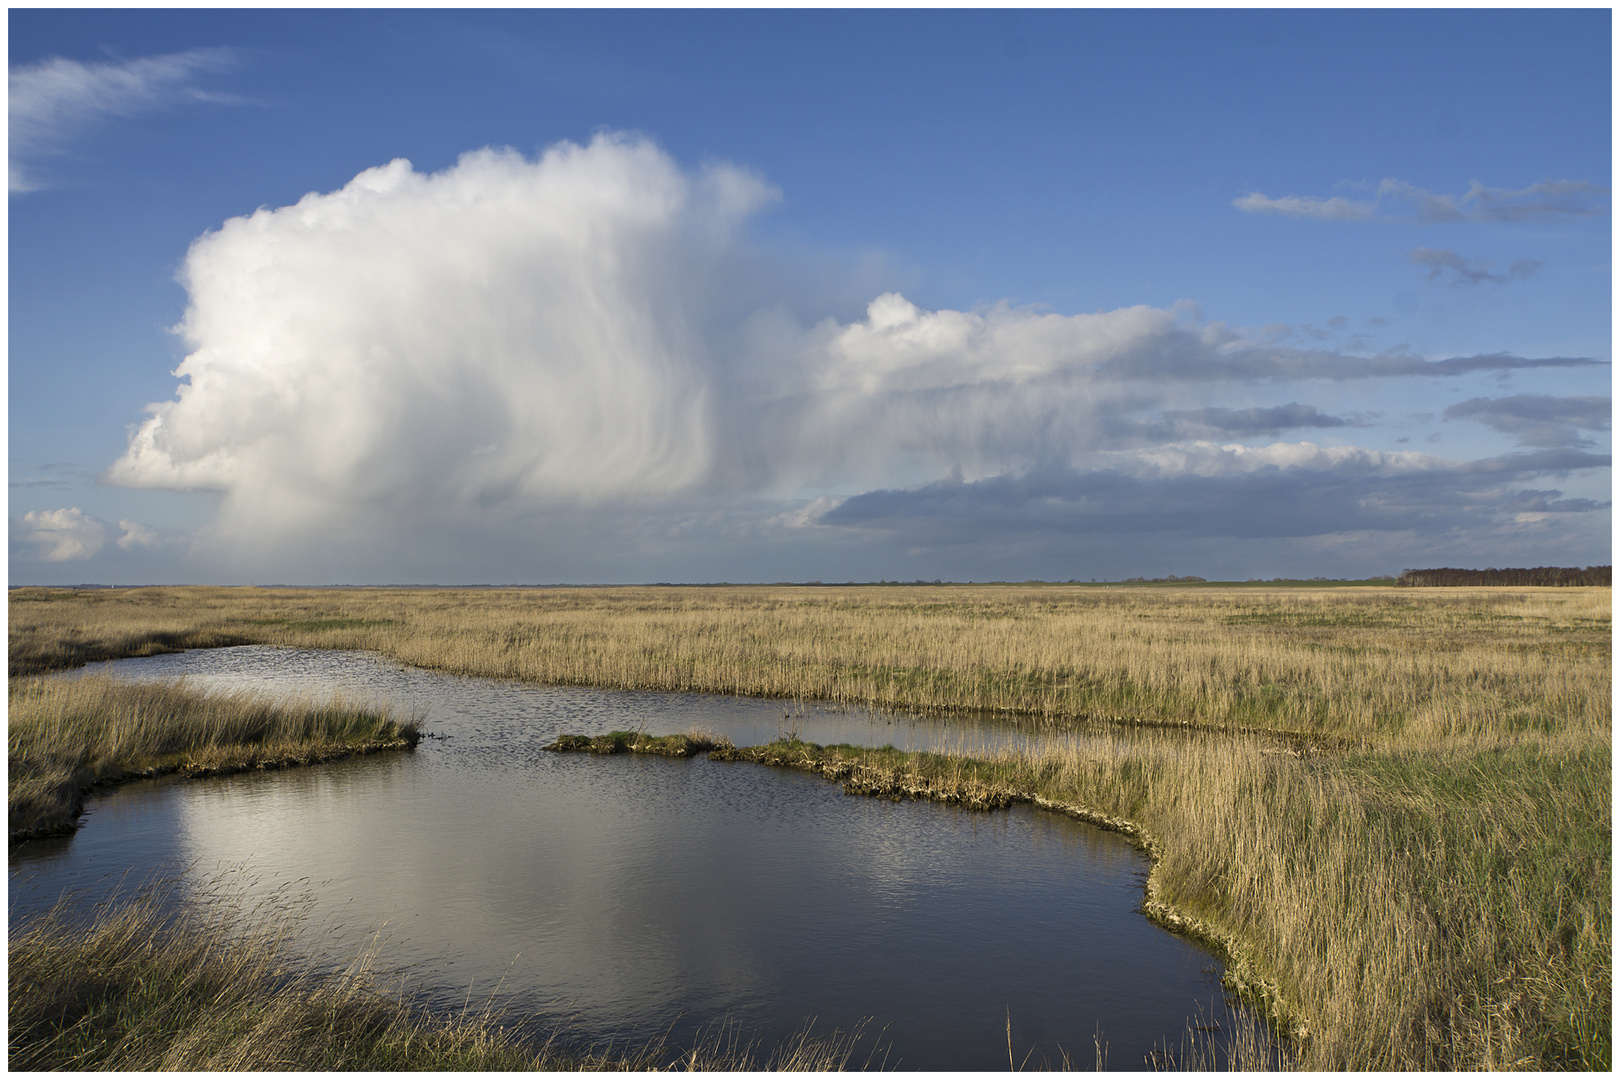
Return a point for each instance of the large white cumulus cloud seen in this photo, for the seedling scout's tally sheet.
(582, 333)
(511, 334)
(504, 330)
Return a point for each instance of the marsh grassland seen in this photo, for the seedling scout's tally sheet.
(65, 736)
(1391, 805)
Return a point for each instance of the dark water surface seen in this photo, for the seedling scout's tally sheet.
(634, 895)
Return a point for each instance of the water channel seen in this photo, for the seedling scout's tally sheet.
(630, 896)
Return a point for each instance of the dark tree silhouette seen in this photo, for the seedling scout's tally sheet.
(1540, 575)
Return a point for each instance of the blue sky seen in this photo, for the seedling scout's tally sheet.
(838, 295)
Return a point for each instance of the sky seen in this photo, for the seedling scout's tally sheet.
(373, 297)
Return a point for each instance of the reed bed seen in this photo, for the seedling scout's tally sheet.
(65, 735)
(141, 988)
(1357, 664)
(1414, 876)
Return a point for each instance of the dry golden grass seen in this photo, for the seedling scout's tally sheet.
(1360, 664)
(218, 989)
(62, 736)
(1425, 886)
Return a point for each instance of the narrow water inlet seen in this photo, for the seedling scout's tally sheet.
(634, 895)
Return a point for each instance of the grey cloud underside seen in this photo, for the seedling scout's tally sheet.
(1539, 419)
(1115, 430)
(1256, 421)
(1548, 502)
(1267, 502)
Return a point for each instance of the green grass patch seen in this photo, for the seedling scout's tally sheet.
(635, 742)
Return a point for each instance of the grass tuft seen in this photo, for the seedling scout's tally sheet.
(142, 988)
(64, 736)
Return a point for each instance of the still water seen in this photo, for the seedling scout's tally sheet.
(632, 896)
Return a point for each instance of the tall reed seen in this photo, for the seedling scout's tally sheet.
(1358, 664)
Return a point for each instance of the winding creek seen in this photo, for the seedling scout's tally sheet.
(632, 895)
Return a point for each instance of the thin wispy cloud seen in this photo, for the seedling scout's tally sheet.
(1450, 268)
(1337, 208)
(1397, 200)
(1541, 201)
(1255, 421)
(54, 102)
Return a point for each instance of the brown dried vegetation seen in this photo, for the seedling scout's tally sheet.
(64, 737)
(220, 989)
(1392, 806)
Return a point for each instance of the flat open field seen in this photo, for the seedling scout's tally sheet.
(1415, 873)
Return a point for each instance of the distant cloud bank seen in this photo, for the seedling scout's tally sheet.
(1228, 492)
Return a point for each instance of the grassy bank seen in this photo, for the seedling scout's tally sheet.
(65, 736)
(1420, 872)
(136, 991)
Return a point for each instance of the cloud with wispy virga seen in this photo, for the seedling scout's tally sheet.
(53, 102)
(1397, 200)
(506, 331)
(560, 337)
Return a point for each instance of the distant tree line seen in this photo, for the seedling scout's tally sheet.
(1539, 575)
